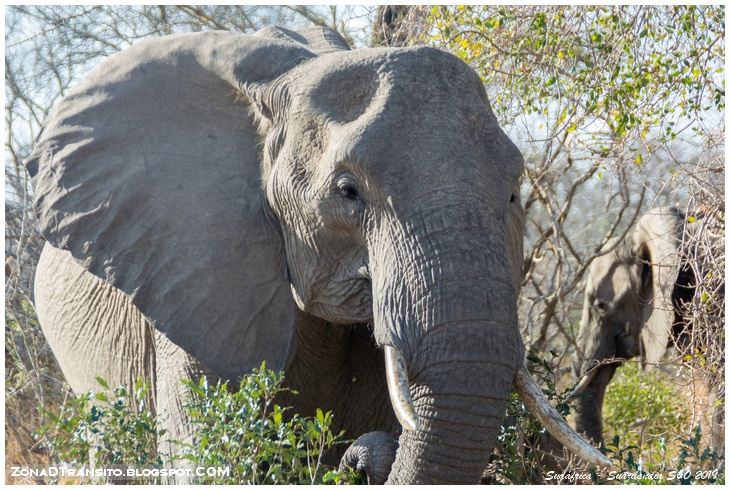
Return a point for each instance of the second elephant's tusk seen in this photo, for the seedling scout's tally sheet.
(555, 424)
(396, 372)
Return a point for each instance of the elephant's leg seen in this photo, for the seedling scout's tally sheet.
(340, 368)
(92, 328)
(174, 364)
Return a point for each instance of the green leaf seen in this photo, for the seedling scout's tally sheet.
(193, 386)
(103, 383)
(48, 414)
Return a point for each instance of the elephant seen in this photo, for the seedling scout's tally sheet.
(632, 307)
(215, 200)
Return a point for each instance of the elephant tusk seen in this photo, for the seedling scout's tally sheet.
(396, 372)
(555, 424)
(583, 383)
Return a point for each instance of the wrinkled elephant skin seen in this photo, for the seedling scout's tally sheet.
(215, 200)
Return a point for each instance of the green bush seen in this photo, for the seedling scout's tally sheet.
(646, 423)
(250, 434)
(688, 463)
(242, 431)
(246, 432)
(643, 408)
(99, 429)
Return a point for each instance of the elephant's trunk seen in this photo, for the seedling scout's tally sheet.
(445, 297)
(460, 402)
(595, 370)
(589, 404)
(461, 348)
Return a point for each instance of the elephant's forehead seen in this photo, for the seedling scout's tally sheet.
(343, 86)
(396, 109)
(611, 277)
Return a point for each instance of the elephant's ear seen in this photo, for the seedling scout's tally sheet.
(149, 174)
(656, 241)
(515, 234)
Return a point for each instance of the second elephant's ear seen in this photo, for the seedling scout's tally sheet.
(655, 242)
(148, 173)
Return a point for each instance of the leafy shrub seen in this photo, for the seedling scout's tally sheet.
(250, 434)
(98, 429)
(258, 442)
(243, 431)
(693, 465)
(649, 421)
(643, 407)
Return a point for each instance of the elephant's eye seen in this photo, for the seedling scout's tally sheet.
(347, 189)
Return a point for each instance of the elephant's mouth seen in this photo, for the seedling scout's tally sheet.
(342, 302)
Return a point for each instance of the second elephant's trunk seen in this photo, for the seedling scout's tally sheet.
(589, 404)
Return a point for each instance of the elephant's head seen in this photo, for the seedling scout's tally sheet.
(226, 181)
(628, 310)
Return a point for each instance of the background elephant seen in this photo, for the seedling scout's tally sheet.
(214, 200)
(633, 306)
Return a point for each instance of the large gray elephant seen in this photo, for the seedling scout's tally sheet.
(632, 307)
(215, 200)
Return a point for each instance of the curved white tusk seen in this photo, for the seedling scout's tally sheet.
(583, 383)
(555, 424)
(396, 372)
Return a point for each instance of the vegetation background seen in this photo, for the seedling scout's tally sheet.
(616, 110)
